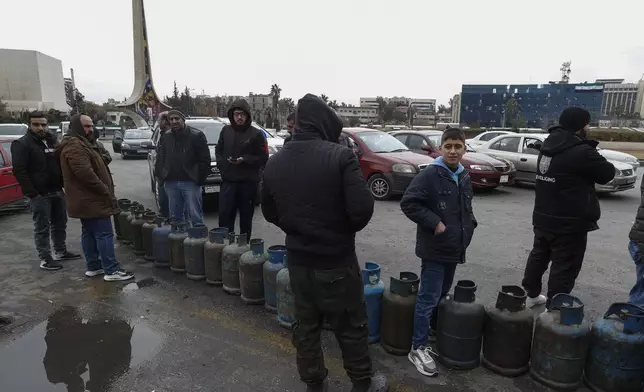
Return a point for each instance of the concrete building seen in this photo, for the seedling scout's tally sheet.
(425, 105)
(456, 109)
(622, 98)
(30, 80)
(364, 114)
(258, 105)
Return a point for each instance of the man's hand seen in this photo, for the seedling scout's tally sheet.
(237, 160)
(440, 228)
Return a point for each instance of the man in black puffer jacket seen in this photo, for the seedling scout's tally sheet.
(314, 191)
(566, 206)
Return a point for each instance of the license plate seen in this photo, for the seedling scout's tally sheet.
(211, 189)
(142, 151)
(504, 179)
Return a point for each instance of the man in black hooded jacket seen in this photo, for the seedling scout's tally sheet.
(241, 153)
(566, 207)
(314, 191)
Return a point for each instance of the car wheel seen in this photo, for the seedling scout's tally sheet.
(379, 187)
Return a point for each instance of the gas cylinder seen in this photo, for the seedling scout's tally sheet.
(508, 333)
(285, 298)
(616, 356)
(251, 277)
(160, 244)
(230, 263)
(193, 251)
(124, 204)
(459, 332)
(373, 289)
(212, 251)
(123, 219)
(136, 231)
(398, 305)
(134, 208)
(175, 239)
(272, 266)
(148, 229)
(560, 344)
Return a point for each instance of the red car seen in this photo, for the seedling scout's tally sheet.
(387, 164)
(485, 171)
(10, 192)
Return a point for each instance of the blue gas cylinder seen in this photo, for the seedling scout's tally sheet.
(560, 344)
(160, 244)
(373, 289)
(616, 358)
(272, 266)
(285, 298)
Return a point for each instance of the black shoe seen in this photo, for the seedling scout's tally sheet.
(50, 264)
(377, 383)
(322, 387)
(66, 255)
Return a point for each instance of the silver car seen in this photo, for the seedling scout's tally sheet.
(519, 149)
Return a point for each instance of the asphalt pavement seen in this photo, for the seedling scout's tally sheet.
(181, 335)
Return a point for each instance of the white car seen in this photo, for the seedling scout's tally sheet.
(619, 156)
(13, 131)
(274, 143)
(485, 137)
(517, 148)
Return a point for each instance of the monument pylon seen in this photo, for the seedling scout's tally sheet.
(144, 104)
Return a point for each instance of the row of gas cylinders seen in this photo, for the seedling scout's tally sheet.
(559, 350)
(219, 258)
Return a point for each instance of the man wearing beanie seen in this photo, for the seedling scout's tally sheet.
(182, 165)
(566, 207)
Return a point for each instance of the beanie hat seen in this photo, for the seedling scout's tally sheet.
(176, 112)
(574, 119)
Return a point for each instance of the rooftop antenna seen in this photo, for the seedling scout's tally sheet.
(565, 72)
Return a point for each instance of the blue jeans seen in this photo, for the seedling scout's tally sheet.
(50, 217)
(184, 198)
(636, 295)
(435, 282)
(98, 240)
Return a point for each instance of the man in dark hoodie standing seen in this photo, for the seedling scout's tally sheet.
(38, 172)
(182, 165)
(566, 207)
(315, 192)
(241, 153)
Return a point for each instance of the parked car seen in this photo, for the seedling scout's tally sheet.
(132, 140)
(274, 143)
(13, 131)
(386, 163)
(620, 157)
(11, 196)
(523, 151)
(117, 139)
(485, 171)
(485, 137)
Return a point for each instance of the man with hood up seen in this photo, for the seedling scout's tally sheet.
(566, 207)
(90, 198)
(315, 192)
(182, 166)
(241, 152)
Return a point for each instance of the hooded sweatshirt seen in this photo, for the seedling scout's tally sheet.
(243, 141)
(314, 190)
(567, 169)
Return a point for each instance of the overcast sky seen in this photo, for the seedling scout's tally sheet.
(342, 48)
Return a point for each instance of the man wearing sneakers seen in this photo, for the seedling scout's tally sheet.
(38, 172)
(90, 195)
(439, 201)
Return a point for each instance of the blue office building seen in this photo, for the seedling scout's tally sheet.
(539, 104)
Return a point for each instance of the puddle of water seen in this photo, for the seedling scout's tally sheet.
(73, 354)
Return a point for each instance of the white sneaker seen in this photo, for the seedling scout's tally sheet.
(118, 275)
(422, 359)
(91, 274)
(536, 301)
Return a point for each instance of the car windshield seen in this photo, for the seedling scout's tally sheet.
(138, 134)
(435, 139)
(381, 142)
(211, 129)
(12, 129)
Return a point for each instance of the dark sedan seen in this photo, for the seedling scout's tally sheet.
(131, 144)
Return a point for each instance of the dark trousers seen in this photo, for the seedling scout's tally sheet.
(335, 295)
(50, 216)
(237, 196)
(566, 251)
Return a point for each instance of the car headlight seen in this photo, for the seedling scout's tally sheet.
(481, 168)
(125, 145)
(618, 173)
(403, 168)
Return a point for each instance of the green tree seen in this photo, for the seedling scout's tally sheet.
(443, 109)
(276, 91)
(354, 121)
(174, 101)
(324, 98)
(513, 114)
(382, 107)
(334, 104)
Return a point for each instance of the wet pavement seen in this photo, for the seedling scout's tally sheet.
(166, 333)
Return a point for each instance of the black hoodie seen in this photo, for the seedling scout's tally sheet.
(241, 141)
(567, 170)
(314, 190)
